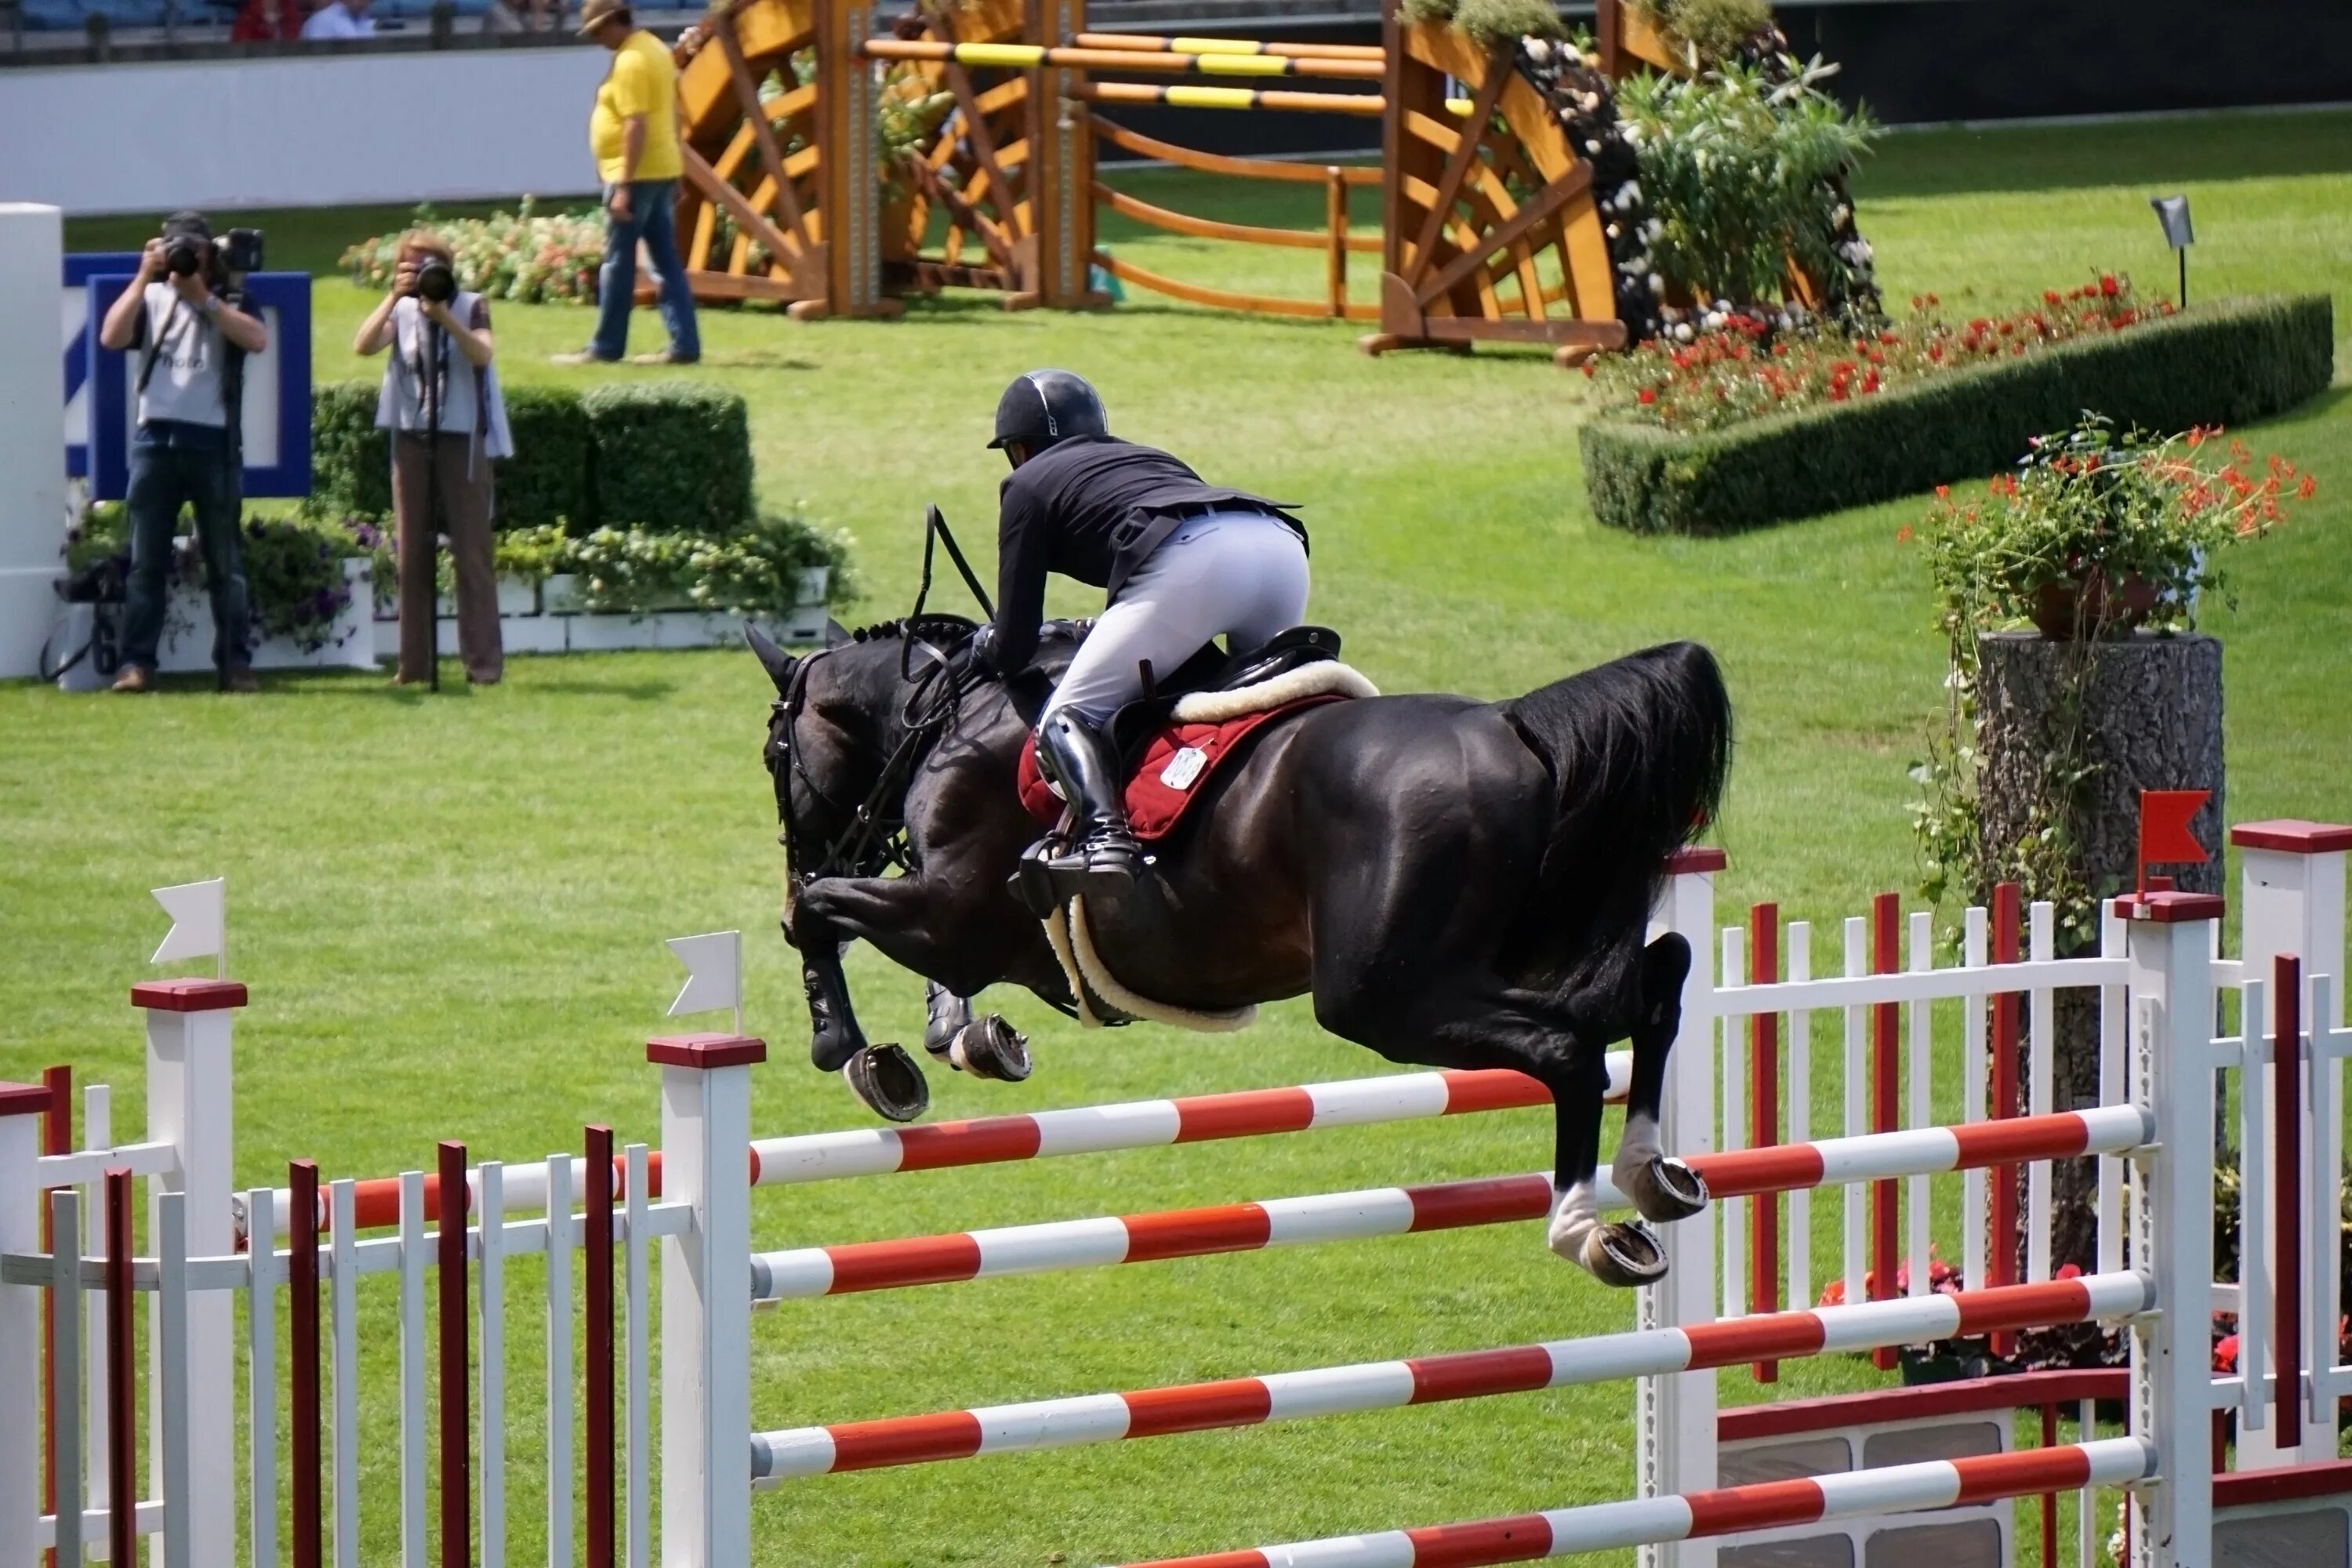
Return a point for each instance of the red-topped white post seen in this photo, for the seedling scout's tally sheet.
(21, 1107)
(2293, 903)
(705, 1294)
(1677, 1411)
(190, 1106)
(2169, 941)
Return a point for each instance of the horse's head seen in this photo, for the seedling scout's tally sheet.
(839, 733)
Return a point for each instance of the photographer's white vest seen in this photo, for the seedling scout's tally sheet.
(424, 362)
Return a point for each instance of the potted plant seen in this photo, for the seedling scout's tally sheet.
(2096, 534)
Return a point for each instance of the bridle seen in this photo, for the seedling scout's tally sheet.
(875, 837)
(876, 840)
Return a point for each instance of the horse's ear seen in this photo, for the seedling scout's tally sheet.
(835, 634)
(773, 659)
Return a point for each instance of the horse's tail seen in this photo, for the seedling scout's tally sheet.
(1639, 751)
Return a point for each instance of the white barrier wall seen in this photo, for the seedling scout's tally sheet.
(31, 424)
(300, 131)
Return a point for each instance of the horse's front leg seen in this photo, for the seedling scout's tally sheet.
(927, 925)
(834, 1034)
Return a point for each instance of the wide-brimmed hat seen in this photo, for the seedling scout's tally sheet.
(596, 13)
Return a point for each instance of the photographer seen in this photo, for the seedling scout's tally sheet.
(185, 452)
(446, 428)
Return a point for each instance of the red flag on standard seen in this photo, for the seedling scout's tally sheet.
(2164, 836)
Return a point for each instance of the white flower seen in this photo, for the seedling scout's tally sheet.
(1629, 194)
(1654, 230)
(1682, 334)
(1592, 144)
(1840, 213)
(1657, 284)
(1614, 232)
(1539, 50)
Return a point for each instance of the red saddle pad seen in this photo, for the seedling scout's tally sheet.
(1181, 759)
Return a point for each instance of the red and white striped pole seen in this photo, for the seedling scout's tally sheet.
(895, 1441)
(1562, 1533)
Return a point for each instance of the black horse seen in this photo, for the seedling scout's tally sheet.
(1458, 884)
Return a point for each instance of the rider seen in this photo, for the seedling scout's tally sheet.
(1182, 561)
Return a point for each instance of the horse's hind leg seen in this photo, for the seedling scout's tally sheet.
(1662, 1188)
(1475, 1020)
(1615, 1252)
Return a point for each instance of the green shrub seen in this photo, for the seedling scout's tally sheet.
(350, 466)
(1741, 178)
(546, 481)
(2216, 364)
(672, 454)
(1716, 28)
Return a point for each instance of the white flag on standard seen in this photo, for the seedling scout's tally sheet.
(199, 912)
(714, 974)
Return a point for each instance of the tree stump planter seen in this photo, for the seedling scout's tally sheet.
(2150, 717)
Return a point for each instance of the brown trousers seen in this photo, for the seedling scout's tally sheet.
(466, 518)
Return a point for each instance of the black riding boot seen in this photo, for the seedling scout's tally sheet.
(1080, 760)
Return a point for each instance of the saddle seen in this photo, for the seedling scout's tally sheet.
(1173, 739)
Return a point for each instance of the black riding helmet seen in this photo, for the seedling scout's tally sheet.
(1045, 406)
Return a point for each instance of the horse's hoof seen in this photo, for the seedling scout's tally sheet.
(1625, 1256)
(1665, 1190)
(887, 1078)
(990, 1047)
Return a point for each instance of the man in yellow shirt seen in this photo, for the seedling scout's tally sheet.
(634, 134)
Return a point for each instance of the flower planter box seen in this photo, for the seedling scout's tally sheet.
(187, 644)
(549, 619)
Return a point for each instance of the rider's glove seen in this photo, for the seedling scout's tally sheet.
(982, 650)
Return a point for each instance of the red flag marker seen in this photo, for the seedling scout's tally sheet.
(2164, 837)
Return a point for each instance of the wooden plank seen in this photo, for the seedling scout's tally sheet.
(748, 221)
(1224, 299)
(785, 203)
(1144, 146)
(1144, 212)
(984, 148)
(1548, 201)
(1458, 168)
(710, 286)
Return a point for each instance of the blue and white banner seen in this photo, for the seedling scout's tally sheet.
(78, 321)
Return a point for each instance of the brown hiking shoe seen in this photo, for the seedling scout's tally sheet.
(134, 677)
(240, 680)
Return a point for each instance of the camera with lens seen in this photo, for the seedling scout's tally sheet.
(237, 251)
(240, 250)
(435, 283)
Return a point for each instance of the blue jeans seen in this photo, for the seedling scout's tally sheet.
(653, 208)
(174, 465)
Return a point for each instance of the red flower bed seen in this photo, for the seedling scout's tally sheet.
(1737, 366)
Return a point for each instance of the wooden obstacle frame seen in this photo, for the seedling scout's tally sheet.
(1492, 232)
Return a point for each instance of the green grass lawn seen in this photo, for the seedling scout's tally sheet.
(449, 910)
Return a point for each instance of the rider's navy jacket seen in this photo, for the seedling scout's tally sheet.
(1092, 508)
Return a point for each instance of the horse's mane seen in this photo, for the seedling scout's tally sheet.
(930, 627)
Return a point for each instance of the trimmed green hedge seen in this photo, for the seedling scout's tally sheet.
(546, 481)
(2215, 364)
(673, 455)
(669, 456)
(350, 468)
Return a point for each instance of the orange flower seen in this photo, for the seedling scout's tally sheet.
(1902, 535)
